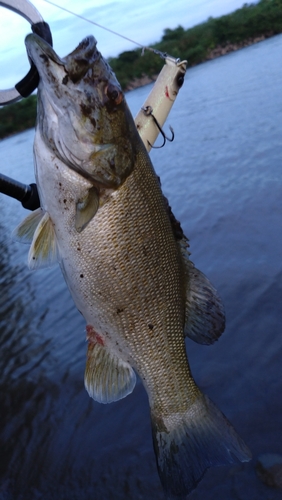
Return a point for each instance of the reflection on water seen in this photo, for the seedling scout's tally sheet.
(222, 176)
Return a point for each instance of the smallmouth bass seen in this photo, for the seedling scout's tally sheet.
(126, 261)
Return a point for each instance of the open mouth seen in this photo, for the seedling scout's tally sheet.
(37, 47)
(75, 64)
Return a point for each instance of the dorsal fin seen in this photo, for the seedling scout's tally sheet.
(107, 377)
(44, 249)
(204, 312)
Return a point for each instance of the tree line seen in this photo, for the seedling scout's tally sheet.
(194, 44)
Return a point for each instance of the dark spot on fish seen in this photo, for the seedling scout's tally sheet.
(159, 424)
(87, 111)
(150, 326)
(78, 248)
(54, 81)
(119, 310)
(112, 164)
(65, 80)
(44, 58)
(78, 68)
(81, 275)
(60, 184)
(65, 201)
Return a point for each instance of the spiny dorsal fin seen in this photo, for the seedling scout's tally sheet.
(204, 312)
(107, 377)
(44, 250)
(25, 230)
(86, 209)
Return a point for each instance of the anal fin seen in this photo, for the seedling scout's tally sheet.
(107, 377)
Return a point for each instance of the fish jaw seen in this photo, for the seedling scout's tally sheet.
(82, 115)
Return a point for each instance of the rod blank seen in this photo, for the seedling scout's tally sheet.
(27, 194)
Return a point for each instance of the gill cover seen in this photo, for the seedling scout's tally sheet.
(82, 114)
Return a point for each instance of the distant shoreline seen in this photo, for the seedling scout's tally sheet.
(215, 37)
(219, 51)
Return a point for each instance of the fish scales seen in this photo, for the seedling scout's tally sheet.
(104, 218)
(136, 277)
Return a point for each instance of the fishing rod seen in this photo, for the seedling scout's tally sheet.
(27, 194)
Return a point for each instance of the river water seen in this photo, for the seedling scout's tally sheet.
(222, 175)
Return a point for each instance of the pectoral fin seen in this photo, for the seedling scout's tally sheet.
(44, 250)
(107, 377)
(86, 208)
(204, 312)
(25, 230)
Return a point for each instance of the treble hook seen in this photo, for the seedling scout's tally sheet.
(149, 112)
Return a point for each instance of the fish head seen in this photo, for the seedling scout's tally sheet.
(82, 114)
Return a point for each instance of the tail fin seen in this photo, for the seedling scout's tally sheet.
(186, 445)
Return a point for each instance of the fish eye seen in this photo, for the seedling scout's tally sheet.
(114, 94)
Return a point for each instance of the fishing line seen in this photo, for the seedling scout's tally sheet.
(155, 51)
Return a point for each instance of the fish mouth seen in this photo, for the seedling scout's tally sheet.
(75, 64)
(79, 117)
(37, 47)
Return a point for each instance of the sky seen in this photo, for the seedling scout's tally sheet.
(140, 20)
